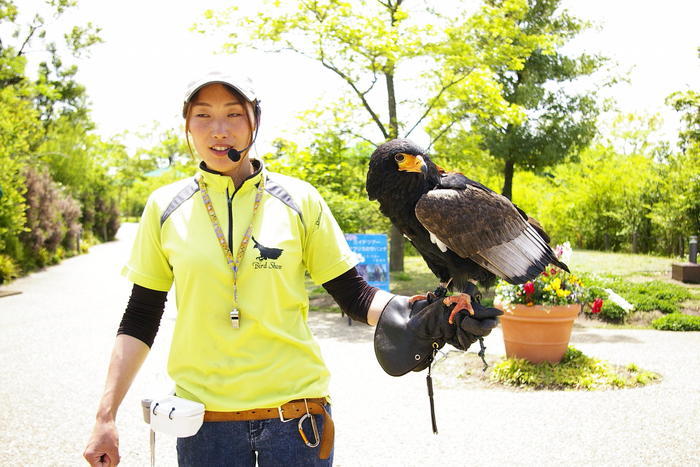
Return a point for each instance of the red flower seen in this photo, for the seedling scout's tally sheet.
(597, 305)
(529, 288)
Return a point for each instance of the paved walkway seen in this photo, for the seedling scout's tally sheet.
(56, 337)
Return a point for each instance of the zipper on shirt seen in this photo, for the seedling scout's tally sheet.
(229, 200)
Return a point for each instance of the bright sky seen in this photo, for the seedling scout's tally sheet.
(137, 76)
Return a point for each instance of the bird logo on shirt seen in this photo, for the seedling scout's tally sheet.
(266, 252)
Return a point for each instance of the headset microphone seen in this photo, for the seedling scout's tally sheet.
(234, 154)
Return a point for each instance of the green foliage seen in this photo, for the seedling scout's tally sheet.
(52, 219)
(677, 322)
(688, 103)
(645, 296)
(405, 45)
(576, 371)
(555, 124)
(134, 196)
(165, 158)
(613, 313)
(402, 276)
(338, 171)
(656, 295)
(51, 175)
(623, 194)
(18, 121)
(8, 269)
(676, 212)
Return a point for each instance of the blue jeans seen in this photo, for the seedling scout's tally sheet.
(269, 441)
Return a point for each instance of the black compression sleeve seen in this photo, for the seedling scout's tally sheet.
(142, 315)
(352, 294)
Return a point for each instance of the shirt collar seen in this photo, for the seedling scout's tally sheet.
(216, 181)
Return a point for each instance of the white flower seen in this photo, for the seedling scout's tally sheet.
(563, 252)
(619, 301)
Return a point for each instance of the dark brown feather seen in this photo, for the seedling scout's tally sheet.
(470, 220)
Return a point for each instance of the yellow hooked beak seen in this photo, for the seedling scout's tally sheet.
(409, 162)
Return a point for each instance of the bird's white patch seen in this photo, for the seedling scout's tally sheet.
(436, 241)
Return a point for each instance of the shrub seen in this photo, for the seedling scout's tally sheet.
(612, 313)
(677, 322)
(645, 296)
(52, 219)
(8, 269)
(657, 295)
(355, 214)
(575, 371)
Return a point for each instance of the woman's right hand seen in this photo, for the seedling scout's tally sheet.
(103, 447)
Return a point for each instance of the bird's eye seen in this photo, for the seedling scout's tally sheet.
(399, 158)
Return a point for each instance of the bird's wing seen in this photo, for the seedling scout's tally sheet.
(481, 225)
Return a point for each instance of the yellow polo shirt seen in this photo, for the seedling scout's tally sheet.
(272, 358)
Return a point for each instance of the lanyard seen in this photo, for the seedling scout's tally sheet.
(234, 263)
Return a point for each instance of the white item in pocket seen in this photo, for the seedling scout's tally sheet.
(176, 416)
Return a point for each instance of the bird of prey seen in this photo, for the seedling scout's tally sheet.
(465, 232)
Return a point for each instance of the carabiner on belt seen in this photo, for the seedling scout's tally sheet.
(314, 428)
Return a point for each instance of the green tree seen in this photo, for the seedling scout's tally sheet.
(336, 164)
(48, 160)
(18, 122)
(164, 157)
(678, 214)
(557, 123)
(688, 104)
(382, 50)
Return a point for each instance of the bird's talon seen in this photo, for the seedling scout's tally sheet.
(462, 301)
(416, 298)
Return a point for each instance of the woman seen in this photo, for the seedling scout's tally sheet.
(236, 240)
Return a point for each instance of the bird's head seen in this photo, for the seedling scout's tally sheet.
(399, 165)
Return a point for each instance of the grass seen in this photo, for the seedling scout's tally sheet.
(576, 371)
(624, 265)
(654, 271)
(677, 322)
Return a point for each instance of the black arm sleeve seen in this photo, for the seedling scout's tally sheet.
(142, 315)
(352, 294)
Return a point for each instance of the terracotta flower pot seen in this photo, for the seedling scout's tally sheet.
(538, 333)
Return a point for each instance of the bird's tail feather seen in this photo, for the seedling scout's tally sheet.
(519, 260)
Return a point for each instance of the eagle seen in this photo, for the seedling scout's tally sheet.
(465, 232)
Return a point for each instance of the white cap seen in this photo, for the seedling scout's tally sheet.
(241, 84)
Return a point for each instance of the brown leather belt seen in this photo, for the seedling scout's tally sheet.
(289, 411)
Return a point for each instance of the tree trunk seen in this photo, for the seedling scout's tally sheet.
(396, 243)
(396, 250)
(391, 95)
(508, 179)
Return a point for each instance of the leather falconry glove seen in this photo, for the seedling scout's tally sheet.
(407, 334)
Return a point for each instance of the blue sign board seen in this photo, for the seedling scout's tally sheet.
(373, 258)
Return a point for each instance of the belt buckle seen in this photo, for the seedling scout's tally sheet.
(282, 419)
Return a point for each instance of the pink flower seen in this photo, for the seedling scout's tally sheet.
(597, 305)
(529, 288)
